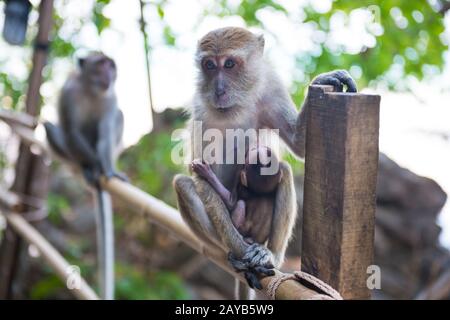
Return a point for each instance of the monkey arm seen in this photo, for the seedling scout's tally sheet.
(106, 142)
(285, 213)
(80, 149)
(223, 192)
(281, 113)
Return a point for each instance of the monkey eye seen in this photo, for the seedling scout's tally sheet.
(209, 65)
(229, 63)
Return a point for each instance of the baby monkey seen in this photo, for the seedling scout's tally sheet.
(252, 196)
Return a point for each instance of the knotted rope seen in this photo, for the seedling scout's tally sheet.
(329, 292)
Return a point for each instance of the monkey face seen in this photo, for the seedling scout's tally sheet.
(222, 73)
(99, 71)
(228, 62)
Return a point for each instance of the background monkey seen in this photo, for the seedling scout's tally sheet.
(89, 133)
(238, 89)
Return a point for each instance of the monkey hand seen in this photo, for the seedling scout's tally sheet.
(337, 79)
(202, 169)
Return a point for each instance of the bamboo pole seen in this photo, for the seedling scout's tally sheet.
(29, 167)
(10, 202)
(49, 253)
(170, 219)
(12, 117)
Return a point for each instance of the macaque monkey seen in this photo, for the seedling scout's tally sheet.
(89, 134)
(238, 89)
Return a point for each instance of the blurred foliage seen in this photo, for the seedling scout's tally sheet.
(101, 22)
(150, 166)
(134, 284)
(48, 287)
(131, 284)
(57, 205)
(406, 39)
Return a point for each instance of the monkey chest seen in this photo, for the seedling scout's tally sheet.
(258, 218)
(89, 119)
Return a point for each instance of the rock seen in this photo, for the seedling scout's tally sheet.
(407, 245)
(402, 189)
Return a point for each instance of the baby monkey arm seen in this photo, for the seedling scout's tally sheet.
(204, 170)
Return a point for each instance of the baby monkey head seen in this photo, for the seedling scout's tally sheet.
(229, 61)
(98, 71)
(261, 173)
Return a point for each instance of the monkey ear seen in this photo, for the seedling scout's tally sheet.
(81, 62)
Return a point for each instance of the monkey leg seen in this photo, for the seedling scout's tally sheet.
(193, 211)
(285, 214)
(207, 213)
(55, 137)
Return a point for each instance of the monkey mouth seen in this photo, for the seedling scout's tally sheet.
(104, 84)
(222, 103)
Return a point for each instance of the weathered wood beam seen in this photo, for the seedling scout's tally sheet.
(339, 193)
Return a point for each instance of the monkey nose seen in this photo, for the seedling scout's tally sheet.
(220, 92)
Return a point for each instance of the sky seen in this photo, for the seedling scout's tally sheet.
(408, 122)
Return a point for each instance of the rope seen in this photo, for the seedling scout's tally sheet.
(277, 280)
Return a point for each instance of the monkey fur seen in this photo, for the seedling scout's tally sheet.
(89, 134)
(251, 199)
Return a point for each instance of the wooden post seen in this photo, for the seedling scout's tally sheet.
(340, 183)
(31, 171)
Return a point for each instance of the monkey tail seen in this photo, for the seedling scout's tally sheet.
(105, 244)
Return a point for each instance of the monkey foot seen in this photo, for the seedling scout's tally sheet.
(251, 273)
(258, 255)
(119, 175)
(92, 176)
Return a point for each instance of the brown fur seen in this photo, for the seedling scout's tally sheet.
(228, 39)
